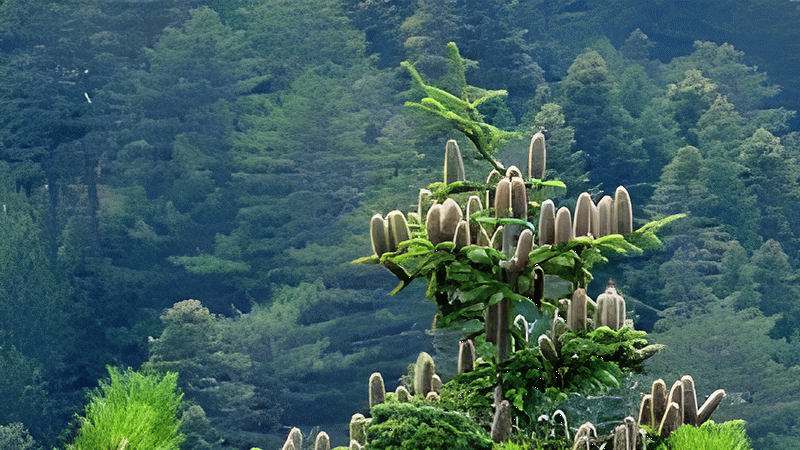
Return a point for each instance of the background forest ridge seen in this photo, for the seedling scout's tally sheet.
(233, 152)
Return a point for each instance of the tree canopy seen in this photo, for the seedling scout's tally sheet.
(231, 152)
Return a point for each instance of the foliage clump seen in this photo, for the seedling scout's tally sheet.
(405, 426)
(460, 109)
(15, 437)
(132, 411)
(589, 363)
(730, 435)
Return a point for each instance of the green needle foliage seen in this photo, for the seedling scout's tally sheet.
(460, 109)
(132, 411)
(710, 436)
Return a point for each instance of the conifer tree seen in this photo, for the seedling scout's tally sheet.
(771, 178)
(681, 188)
(690, 98)
(591, 105)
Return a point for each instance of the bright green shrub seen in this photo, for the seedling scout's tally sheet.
(711, 436)
(132, 410)
(404, 426)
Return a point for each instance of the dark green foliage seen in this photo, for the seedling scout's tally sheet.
(232, 147)
(290, 361)
(771, 180)
(36, 317)
(591, 104)
(589, 363)
(311, 26)
(33, 316)
(406, 426)
(721, 128)
(680, 189)
(23, 389)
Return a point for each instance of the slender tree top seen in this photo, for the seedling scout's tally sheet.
(460, 109)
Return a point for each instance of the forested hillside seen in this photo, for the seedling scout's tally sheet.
(184, 183)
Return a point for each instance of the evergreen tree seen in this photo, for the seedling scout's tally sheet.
(591, 105)
(690, 98)
(132, 410)
(771, 178)
(659, 132)
(637, 46)
(732, 277)
(773, 277)
(720, 129)
(743, 85)
(637, 90)
(680, 189)
(727, 198)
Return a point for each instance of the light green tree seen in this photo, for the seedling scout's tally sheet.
(131, 410)
(691, 97)
(743, 85)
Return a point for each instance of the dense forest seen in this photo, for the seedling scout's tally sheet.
(184, 184)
